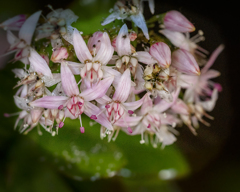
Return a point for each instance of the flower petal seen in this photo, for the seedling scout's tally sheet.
(49, 102)
(127, 121)
(98, 90)
(147, 105)
(212, 58)
(175, 21)
(136, 104)
(124, 86)
(28, 28)
(105, 51)
(75, 67)
(39, 64)
(139, 20)
(145, 57)
(123, 45)
(80, 47)
(184, 62)
(110, 18)
(69, 84)
(90, 109)
(162, 53)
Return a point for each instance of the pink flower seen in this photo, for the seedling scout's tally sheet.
(175, 21)
(76, 102)
(93, 66)
(117, 107)
(21, 45)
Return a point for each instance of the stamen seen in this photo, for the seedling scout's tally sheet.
(82, 130)
(129, 130)
(107, 106)
(61, 124)
(10, 115)
(142, 141)
(130, 112)
(94, 117)
(79, 81)
(60, 107)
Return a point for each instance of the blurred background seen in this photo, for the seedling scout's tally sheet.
(83, 162)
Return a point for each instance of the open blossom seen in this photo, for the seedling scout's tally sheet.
(21, 44)
(76, 102)
(93, 58)
(116, 107)
(57, 26)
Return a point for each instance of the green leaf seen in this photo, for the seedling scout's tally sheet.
(81, 155)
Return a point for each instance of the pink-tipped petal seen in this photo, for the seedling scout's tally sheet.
(123, 42)
(124, 86)
(49, 102)
(98, 90)
(69, 84)
(90, 109)
(162, 53)
(27, 30)
(184, 62)
(175, 21)
(145, 57)
(105, 51)
(14, 23)
(80, 47)
(39, 64)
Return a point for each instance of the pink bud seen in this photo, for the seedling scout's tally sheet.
(60, 107)
(59, 54)
(94, 117)
(149, 126)
(61, 124)
(132, 36)
(82, 129)
(175, 21)
(129, 130)
(162, 53)
(184, 62)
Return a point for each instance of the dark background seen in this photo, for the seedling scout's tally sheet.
(214, 155)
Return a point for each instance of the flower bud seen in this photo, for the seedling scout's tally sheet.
(175, 21)
(59, 54)
(184, 62)
(162, 53)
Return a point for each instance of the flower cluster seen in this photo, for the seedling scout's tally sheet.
(143, 83)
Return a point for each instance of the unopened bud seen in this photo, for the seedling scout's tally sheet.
(59, 54)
